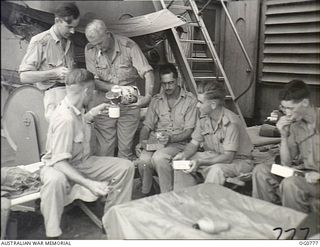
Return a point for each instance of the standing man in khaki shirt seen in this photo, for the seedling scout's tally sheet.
(50, 56)
(172, 113)
(226, 142)
(299, 148)
(68, 159)
(116, 60)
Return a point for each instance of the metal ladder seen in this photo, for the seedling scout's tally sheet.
(185, 63)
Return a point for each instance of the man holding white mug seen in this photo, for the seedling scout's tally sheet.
(116, 61)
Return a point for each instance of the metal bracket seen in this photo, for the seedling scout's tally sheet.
(28, 147)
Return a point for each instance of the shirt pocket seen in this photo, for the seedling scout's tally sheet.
(54, 59)
(204, 132)
(54, 63)
(164, 121)
(103, 72)
(78, 146)
(79, 138)
(125, 71)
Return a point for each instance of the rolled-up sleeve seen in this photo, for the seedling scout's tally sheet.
(196, 135)
(61, 141)
(191, 115)
(151, 116)
(139, 61)
(33, 57)
(232, 138)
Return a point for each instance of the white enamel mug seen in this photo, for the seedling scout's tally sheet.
(114, 111)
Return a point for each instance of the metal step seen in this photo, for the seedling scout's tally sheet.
(194, 24)
(199, 54)
(200, 59)
(208, 78)
(194, 41)
(175, 6)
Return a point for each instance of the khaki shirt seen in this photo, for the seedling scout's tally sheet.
(182, 116)
(228, 135)
(44, 53)
(304, 143)
(128, 63)
(68, 136)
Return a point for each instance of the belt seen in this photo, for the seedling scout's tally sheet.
(58, 84)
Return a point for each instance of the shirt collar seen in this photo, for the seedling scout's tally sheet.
(116, 44)
(67, 103)
(90, 46)
(313, 117)
(56, 39)
(182, 93)
(223, 120)
(53, 34)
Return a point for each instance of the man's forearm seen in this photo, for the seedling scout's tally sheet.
(144, 133)
(103, 85)
(182, 136)
(285, 152)
(71, 173)
(149, 77)
(216, 158)
(37, 76)
(190, 150)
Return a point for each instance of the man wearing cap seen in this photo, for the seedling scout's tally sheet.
(50, 56)
(116, 60)
(225, 140)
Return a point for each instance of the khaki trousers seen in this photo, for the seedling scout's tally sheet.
(108, 131)
(118, 172)
(161, 162)
(293, 192)
(215, 174)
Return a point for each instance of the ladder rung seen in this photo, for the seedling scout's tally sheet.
(199, 54)
(207, 78)
(194, 41)
(201, 71)
(193, 24)
(175, 6)
(198, 59)
(228, 97)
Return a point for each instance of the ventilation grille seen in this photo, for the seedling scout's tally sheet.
(291, 47)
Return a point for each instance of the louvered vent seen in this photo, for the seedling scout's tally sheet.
(291, 48)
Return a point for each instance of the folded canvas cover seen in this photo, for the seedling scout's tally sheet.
(146, 24)
(171, 216)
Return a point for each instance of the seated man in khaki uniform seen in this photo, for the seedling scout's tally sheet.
(299, 148)
(172, 114)
(226, 142)
(68, 159)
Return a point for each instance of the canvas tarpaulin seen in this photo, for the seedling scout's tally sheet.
(171, 216)
(146, 24)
